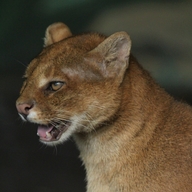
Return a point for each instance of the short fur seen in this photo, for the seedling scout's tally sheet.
(132, 135)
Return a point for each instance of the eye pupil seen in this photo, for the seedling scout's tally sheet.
(56, 85)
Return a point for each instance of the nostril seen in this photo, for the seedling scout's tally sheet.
(27, 108)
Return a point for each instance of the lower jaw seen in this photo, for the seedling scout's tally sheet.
(50, 143)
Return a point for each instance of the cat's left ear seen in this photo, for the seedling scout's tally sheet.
(114, 54)
(56, 32)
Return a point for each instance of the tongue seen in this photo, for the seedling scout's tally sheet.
(42, 129)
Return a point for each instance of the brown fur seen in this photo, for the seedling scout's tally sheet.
(132, 135)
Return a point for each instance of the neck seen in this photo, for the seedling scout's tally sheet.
(103, 151)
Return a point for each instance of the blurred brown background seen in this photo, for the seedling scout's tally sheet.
(161, 33)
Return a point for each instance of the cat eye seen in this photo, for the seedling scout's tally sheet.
(54, 86)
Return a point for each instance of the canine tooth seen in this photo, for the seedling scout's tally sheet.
(48, 135)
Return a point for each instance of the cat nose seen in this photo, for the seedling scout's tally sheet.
(24, 109)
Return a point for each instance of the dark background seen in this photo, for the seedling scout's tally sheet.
(161, 33)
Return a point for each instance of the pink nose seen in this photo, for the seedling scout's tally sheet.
(24, 108)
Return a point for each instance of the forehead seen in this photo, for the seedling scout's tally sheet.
(51, 57)
(66, 52)
(43, 70)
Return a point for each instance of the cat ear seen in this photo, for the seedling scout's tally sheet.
(56, 32)
(114, 52)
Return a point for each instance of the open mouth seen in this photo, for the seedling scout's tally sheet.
(52, 132)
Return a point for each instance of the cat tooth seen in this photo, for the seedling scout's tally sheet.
(48, 135)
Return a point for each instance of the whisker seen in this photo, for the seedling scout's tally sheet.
(55, 147)
(61, 120)
(85, 121)
(21, 63)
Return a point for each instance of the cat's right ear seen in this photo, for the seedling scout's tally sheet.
(56, 32)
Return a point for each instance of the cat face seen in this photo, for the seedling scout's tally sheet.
(73, 85)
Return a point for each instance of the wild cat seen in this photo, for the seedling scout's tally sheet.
(132, 135)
